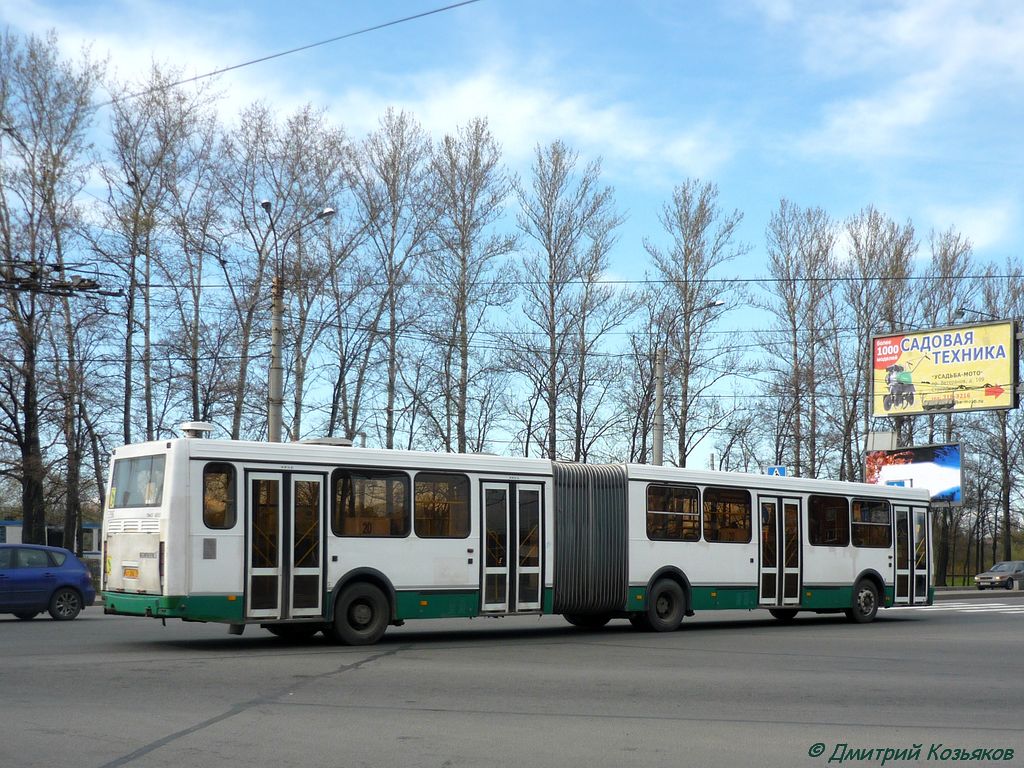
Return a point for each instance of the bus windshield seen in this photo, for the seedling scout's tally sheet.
(137, 482)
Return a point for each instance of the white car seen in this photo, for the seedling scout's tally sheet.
(1004, 574)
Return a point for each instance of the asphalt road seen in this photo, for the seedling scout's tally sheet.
(728, 689)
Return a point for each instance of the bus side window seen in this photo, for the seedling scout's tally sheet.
(872, 523)
(828, 521)
(219, 508)
(442, 506)
(727, 515)
(371, 503)
(672, 513)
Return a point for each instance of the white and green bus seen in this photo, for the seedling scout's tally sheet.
(305, 537)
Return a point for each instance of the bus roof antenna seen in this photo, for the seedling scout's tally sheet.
(196, 429)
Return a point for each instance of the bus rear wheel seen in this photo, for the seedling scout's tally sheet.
(666, 607)
(361, 615)
(865, 603)
(783, 614)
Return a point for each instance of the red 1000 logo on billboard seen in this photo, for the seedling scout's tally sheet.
(887, 351)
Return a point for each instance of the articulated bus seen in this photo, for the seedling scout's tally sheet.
(299, 538)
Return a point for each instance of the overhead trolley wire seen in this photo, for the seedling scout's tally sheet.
(278, 55)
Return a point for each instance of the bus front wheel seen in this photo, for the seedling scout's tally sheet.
(865, 603)
(361, 614)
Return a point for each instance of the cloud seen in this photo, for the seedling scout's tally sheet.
(909, 68)
(524, 110)
(526, 102)
(986, 226)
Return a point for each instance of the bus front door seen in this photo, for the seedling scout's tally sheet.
(779, 571)
(512, 548)
(284, 571)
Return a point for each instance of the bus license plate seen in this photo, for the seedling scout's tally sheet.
(131, 573)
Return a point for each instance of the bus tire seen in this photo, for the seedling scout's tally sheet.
(666, 606)
(865, 603)
(783, 614)
(587, 620)
(361, 614)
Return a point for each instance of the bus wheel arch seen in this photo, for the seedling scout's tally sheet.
(361, 613)
(668, 601)
(371, 576)
(362, 605)
(867, 597)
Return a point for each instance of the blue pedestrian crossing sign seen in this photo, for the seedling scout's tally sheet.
(777, 470)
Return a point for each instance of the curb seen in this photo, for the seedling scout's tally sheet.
(958, 593)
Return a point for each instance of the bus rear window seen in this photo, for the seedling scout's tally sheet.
(137, 482)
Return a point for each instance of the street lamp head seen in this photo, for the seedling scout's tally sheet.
(326, 213)
(265, 205)
(960, 313)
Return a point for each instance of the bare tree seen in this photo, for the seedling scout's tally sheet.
(45, 113)
(875, 299)
(281, 178)
(949, 284)
(701, 239)
(392, 193)
(800, 260)
(598, 309)
(151, 130)
(563, 215)
(1003, 295)
(467, 272)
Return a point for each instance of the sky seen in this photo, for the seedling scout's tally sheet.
(914, 107)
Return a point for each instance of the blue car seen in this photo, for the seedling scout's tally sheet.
(34, 579)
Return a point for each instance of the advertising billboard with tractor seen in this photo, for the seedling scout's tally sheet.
(944, 370)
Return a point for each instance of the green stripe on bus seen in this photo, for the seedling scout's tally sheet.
(722, 598)
(437, 605)
(826, 598)
(429, 604)
(225, 608)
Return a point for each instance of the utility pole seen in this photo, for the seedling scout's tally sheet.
(275, 380)
(659, 405)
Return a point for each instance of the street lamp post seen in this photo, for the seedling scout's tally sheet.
(276, 378)
(658, 428)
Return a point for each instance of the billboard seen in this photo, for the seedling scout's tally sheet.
(935, 467)
(944, 370)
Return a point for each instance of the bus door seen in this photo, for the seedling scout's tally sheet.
(511, 570)
(922, 556)
(911, 559)
(902, 557)
(780, 551)
(284, 573)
